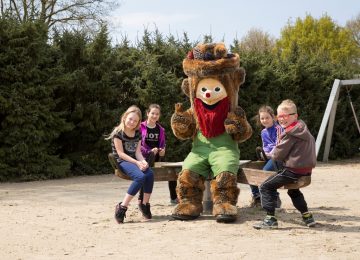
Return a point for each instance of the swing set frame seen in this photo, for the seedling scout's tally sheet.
(329, 115)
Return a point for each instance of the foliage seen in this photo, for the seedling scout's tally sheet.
(59, 98)
(29, 125)
(318, 38)
(97, 87)
(353, 25)
(59, 14)
(256, 41)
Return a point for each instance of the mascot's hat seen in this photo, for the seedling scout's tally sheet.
(211, 59)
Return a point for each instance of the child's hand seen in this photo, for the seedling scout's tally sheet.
(155, 150)
(161, 151)
(143, 165)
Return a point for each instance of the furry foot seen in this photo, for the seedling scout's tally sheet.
(183, 217)
(225, 218)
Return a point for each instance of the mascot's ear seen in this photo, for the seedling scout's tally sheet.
(185, 86)
(239, 76)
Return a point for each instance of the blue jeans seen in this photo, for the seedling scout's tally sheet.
(269, 166)
(140, 179)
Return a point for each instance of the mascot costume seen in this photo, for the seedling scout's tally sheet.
(216, 125)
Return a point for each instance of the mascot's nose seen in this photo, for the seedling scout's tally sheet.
(207, 94)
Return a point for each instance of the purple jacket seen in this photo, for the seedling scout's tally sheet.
(270, 137)
(145, 149)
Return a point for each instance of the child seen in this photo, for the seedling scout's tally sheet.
(153, 144)
(126, 147)
(297, 151)
(269, 137)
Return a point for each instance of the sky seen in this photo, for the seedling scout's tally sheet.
(223, 19)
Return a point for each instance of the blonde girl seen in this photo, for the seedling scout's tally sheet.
(126, 147)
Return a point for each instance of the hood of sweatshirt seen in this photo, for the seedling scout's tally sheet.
(299, 130)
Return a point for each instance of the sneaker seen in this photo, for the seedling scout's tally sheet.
(145, 210)
(120, 213)
(270, 222)
(255, 202)
(308, 219)
(174, 202)
(278, 202)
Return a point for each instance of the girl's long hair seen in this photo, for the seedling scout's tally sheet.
(121, 126)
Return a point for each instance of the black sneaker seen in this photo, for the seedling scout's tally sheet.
(308, 219)
(148, 210)
(255, 202)
(270, 222)
(145, 210)
(120, 213)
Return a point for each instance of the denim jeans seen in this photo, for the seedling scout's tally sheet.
(140, 179)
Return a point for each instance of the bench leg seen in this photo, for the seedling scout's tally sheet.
(207, 201)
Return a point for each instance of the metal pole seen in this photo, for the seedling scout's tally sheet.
(207, 201)
(324, 122)
(331, 126)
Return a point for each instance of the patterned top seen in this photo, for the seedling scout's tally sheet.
(129, 144)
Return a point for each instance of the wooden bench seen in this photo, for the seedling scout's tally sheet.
(250, 172)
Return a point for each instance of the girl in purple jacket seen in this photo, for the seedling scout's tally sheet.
(270, 138)
(153, 144)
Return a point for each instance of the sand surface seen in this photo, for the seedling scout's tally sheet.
(73, 219)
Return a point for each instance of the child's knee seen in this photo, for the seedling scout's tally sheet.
(140, 178)
(294, 193)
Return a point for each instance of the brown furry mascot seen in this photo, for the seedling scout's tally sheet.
(216, 124)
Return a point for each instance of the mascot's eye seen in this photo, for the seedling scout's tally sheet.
(203, 89)
(217, 89)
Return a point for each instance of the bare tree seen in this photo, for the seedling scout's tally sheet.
(56, 13)
(256, 40)
(354, 26)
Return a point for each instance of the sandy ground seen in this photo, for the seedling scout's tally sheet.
(73, 219)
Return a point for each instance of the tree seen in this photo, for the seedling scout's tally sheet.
(95, 90)
(354, 26)
(57, 12)
(159, 81)
(29, 124)
(318, 38)
(256, 41)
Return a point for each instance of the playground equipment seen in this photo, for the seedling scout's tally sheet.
(329, 115)
(249, 173)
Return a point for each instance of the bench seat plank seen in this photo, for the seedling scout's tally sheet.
(249, 173)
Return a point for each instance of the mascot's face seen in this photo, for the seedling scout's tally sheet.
(210, 91)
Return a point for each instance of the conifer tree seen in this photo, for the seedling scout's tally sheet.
(28, 121)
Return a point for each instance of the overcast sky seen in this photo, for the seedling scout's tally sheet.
(226, 19)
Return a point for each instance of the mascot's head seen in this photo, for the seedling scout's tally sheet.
(213, 74)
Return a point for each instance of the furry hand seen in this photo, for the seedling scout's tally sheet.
(237, 125)
(182, 122)
(233, 121)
